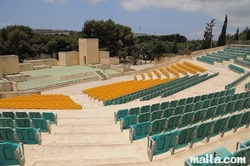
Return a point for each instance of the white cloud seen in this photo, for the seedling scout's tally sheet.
(57, 1)
(95, 1)
(238, 11)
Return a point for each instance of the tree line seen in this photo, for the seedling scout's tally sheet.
(118, 39)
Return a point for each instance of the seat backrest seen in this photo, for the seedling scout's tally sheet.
(142, 129)
(238, 105)
(206, 103)
(7, 134)
(186, 135)
(173, 103)
(6, 122)
(129, 120)
(39, 123)
(145, 108)
(9, 115)
(179, 109)
(246, 102)
(121, 114)
(164, 105)
(233, 121)
(199, 115)
(242, 152)
(164, 141)
(49, 116)
(35, 115)
(220, 124)
(134, 111)
(222, 99)
(187, 118)
(168, 112)
(220, 109)
(144, 117)
(210, 112)
(156, 115)
(158, 125)
(155, 107)
(173, 122)
(203, 130)
(21, 115)
(245, 118)
(22, 122)
(7, 152)
(198, 105)
(189, 107)
(182, 101)
(26, 133)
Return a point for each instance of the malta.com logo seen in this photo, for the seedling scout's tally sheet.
(210, 159)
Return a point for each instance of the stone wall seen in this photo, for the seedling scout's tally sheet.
(25, 67)
(14, 94)
(1, 74)
(9, 64)
(88, 51)
(16, 77)
(103, 54)
(6, 87)
(109, 61)
(121, 68)
(50, 62)
(70, 58)
(208, 51)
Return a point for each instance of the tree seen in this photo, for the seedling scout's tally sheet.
(248, 35)
(237, 34)
(222, 37)
(208, 35)
(175, 48)
(115, 38)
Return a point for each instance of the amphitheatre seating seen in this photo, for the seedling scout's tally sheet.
(246, 59)
(23, 122)
(182, 71)
(29, 135)
(139, 131)
(238, 80)
(243, 52)
(157, 73)
(7, 122)
(218, 55)
(204, 130)
(42, 123)
(185, 67)
(247, 86)
(236, 68)
(7, 135)
(233, 122)
(163, 71)
(22, 115)
(37, 101)
(222, 153)
(12, 154)
(196, 67)
(203, 59)
(172, 70)
(52, 117)
(226, 54)
(35, 115)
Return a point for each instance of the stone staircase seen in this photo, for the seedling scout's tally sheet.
(102, 75)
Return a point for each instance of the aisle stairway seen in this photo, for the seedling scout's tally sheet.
(102, 75)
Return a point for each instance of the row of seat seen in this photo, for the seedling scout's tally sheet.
(220, 56)
(172, 70)
(204, 59)
(164, 72)
(247, 86)
(217, 59)
(238, 80)
(188, 68)
(226, 96)
(227, 54)
(221, 153)
(179, 138)
(38, 101)
(199, 68)
(242, 62)
(236, 68)
(180, 70)
(238, 51)
(14, 115)
(183, 116)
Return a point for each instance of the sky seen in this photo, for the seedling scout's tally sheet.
(156, 17)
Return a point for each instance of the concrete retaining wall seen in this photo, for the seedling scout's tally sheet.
(14, 94)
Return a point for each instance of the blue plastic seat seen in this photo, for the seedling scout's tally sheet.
(52, 117)
(127, 121)
(12, 154)
(161, 143)
(139, 130)
(29, 135)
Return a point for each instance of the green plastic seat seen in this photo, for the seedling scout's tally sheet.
(214, 101)
(210, 96)
(145, 108)
(52, 117)
(216, 94)
(179, 110)
(164, 105)
(206, 103)
(42, 123)
(204, 97)
(173, 103)
(7, 134)
(189, 107)
(9, 115)
(222, 99)
(127, 121)
(134, 111)
(197, 98)
(120, 114)
(12, 154)
(23, 122)
(189, 100)
(161, 143)
(168, 112)
(245, 143)
(199, 115)
(182, 101)
(22, 115)
(7, 122)
(245, 119)
(29, 135)
(173, 122)
(235, 97)
(220, 110)
(156, 115)
(155, 107)
(210, 112)
(238, 105)
(246, 103)
(139, 130)
(144, 117)
(204, 130)
(185, 136)
(233, 122)
(230, 107)
(187, 119)
(158, 126)
(220, 126)
(198, 105)
(35, 115)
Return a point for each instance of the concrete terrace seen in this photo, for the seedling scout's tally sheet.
(90, 136)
